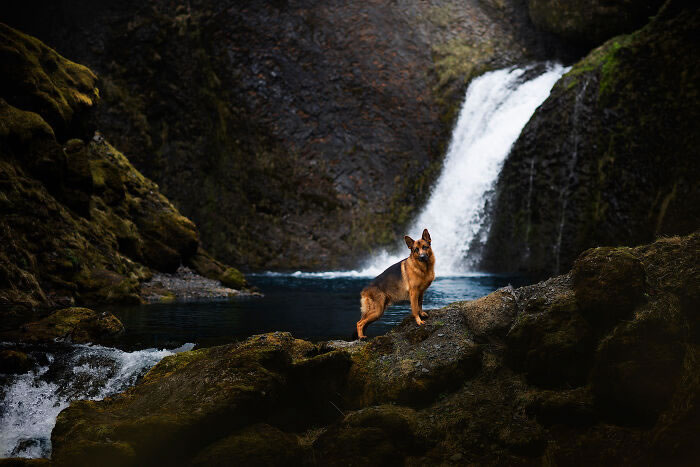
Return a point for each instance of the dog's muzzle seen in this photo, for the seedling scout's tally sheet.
(423, 258)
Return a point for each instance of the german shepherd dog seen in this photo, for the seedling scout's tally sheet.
(406, 280)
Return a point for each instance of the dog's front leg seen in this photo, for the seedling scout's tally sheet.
(416, 307)
(423, 314)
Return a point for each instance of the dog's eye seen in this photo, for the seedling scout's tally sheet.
(425, 247)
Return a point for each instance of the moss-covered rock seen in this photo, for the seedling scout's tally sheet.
(258, 445)
(380, 435)
(413, 365)
(39, 80)
(608, 283)
(233, 278)
(78, 325)
(638, 366)
(14, 361)
(552, 345)
(490, 316)
(191, 400)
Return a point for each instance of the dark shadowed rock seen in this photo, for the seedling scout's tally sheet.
(78, 325)
(257, 445)
(549, 340)
(591, 22)
(639, 364)
(608, 283)
(381, 435)
(14, 361)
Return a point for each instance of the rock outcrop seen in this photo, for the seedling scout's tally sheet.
(590, 23)
(78, 223)
(295, 134)
(76, 325)
(611, 157)
(598, 366)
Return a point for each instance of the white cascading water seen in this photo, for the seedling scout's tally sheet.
(496, 107)
(30, 402)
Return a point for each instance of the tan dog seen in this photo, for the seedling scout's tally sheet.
(406, 280)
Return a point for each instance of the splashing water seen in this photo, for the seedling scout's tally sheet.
(30, 403)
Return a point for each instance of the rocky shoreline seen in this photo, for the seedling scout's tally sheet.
(186, 285)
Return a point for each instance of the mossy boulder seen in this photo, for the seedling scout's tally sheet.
(190, 401)
(257, 445)
(608, 283)
(591, 22)
(490, 316)
(77, 325)
(233, 278)
(39, 80)
(639, 365)
(550, 341)
(412, 365)
(14, 361)
(380, 435)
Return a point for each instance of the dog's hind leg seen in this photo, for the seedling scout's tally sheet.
(372, 309)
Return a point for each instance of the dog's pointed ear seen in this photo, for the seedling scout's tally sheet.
(426, 235)
(409, 242)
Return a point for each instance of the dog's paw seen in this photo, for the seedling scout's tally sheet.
(423, 314)
(419, 322)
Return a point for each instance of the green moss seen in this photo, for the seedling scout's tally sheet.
(79, 325)
(59, 87)
(233, 278)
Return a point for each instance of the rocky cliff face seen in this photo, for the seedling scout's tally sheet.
(611, 157)
(598, 366)
(296, 134)
(79, 223)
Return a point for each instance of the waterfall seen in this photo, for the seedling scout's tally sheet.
(496, 107)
